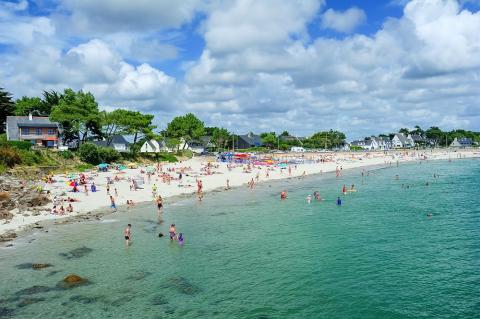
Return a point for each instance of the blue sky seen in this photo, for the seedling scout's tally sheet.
(363, 67)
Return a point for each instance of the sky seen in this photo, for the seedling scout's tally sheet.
(361, 67)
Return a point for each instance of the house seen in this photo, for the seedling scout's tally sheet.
(399, 140)
(297, 149)
(38, 130)
(367, 144)
(197, 146)
(247, 141)
(462, 142)
(118, 143)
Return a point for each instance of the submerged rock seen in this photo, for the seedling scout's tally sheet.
(29, 301)
(6, 312)
(33, 290)
(77, 252)
(182, 285)
(35, 266)
(159, 300)
(53, 272)
(139, 275)
(84, 299)
(24, 266)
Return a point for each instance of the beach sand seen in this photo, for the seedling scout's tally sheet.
(195, 168)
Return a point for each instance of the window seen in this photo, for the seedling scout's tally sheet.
(38, 131)
(25, 131)
(51, 131)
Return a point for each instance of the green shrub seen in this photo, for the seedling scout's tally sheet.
(166, 157)
(66, 154)
(108, 155)
(3, 168)
(30, 158)
(9, 157)
(83, 167)
(89, 153)
(21, 145)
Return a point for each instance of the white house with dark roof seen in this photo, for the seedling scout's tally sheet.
(38, 130)
(399, 140)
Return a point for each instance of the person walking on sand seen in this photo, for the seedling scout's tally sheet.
(128, 234)
(199, 186)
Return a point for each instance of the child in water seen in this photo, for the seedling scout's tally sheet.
(180, 239)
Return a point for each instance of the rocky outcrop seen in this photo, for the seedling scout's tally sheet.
(17, 197)
(8, 236)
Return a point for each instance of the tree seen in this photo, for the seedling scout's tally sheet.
(137, 124)
(326, 139)
(404, 130)
(50, 100)
(112, 124)
(7, 108)
(78, 114)
(187, 127)
(220, 137)
(26, 105)
(285, 133)
(269, 139)
(436, 134)
(417, 131)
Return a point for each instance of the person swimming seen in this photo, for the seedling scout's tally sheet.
(316, 194)
(339, 201)
(283, 195)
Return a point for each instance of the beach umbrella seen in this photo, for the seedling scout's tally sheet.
(103, 165)
(150, 169)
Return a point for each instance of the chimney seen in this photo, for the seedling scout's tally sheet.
(30, 117)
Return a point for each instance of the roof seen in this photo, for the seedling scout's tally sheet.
(289, 138)
(417, 138)
(401, 137)
(116, 139)
(251, 139)
(465, 141)
(15, 122)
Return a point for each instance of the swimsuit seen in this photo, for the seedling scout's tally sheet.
(172, 235)
(127, 237)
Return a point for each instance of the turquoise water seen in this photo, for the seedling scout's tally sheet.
(249, 255)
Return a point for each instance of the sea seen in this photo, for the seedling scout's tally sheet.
(406, 244)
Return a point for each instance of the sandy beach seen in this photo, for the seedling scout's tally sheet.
(214, 175)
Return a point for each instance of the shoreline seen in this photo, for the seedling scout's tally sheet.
(94, 210)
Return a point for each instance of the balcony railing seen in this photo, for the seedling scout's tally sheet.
(38, 137)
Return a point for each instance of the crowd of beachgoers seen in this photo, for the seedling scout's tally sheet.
(109, 188)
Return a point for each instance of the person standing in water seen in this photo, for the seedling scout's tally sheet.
(172, 231)
(283, 195)
(344, 189)
(339, 201)
(128, 234)
(112, 203)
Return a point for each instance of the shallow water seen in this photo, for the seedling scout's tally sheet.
(249, 255)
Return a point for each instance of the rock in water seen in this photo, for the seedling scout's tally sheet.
(72, 281)
(40, 266)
